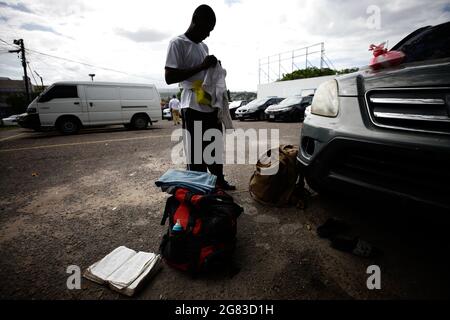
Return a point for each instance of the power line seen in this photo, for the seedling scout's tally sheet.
(9, 44)
(4, 47)
(39, 59)
(82, 63)
(91, 65)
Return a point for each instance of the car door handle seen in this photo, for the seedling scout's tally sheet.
(77, 103)
(91, 104)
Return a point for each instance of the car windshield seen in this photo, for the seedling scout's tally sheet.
(257, 102)
(426, 44)
(291, 100)
(235, 104)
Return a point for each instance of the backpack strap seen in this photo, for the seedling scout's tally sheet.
(166, 210)
(188, 197)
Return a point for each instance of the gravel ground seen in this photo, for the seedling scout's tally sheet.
(69, 200)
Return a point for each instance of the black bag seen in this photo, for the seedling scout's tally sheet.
(207, 237)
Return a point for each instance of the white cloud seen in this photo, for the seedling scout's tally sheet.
(132, 35)
(143, 35)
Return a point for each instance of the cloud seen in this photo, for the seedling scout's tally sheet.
(133, 35)
(38, 27)
(19, 6)
(143, 35)
(231, 2)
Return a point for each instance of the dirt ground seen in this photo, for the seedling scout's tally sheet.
(69, 200)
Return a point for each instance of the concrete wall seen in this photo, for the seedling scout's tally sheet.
(290, 88)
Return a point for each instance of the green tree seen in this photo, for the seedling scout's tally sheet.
(314, 72)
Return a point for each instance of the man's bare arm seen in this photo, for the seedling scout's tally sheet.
(174, 75)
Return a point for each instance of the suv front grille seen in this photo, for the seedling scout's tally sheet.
(421, 174)
(416, 109)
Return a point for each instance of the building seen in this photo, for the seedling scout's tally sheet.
(290, 88)
(9, 87)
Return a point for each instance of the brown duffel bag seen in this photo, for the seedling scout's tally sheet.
(280, 187)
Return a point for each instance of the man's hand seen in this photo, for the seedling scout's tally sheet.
(210, 61)
(173, 75)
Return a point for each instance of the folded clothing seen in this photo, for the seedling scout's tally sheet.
(194, 181)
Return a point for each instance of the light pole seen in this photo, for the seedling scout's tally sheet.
(92, 75)
(42, 81)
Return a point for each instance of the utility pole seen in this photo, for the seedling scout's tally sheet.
(24, 65)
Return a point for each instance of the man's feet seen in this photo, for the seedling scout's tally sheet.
(224, 185)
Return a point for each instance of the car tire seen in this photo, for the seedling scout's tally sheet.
(68, 125)
(139, 122)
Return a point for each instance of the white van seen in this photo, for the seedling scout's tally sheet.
(70, 105)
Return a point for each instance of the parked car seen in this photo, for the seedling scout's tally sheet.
(385, 130)
(290, 109)
(307, 111)
(11, 120)
(70, 105)
(167, 114)
(234, 105)
(255, 109)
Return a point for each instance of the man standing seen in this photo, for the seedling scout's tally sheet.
(174, 105)
(186, 63)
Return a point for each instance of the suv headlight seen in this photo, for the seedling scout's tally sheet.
(326, 100)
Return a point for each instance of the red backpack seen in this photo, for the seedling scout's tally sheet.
(207, 236)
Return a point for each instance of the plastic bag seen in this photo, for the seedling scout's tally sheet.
(201, 96)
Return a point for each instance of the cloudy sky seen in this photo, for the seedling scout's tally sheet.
(126, 41)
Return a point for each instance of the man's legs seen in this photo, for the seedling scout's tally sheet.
(174, 117)
(190, 142)
(216, 168)
(208, 120)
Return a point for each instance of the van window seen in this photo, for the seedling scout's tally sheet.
(102, 93)
(142, 93)
(59, 92)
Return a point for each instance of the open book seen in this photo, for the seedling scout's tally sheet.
(124, 269)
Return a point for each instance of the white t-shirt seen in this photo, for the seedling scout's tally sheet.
(174, 104)
(182, 54)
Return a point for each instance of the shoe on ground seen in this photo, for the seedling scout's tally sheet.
(224, 185)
